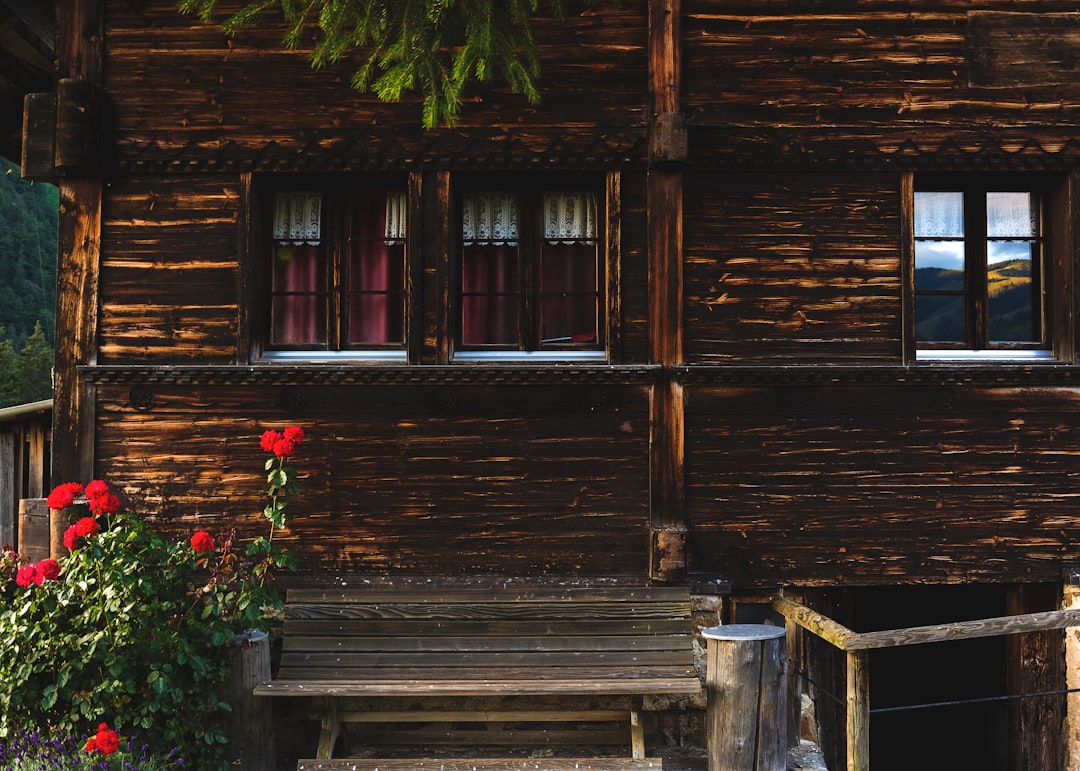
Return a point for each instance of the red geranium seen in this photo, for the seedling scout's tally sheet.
(71, 538)
(107, 503)
(202, 542)
(25, 576)
(63, 495)
(269, 439)
(106, 741)
(96, 489)
(46, 570)
(294, 434)
(86, 526)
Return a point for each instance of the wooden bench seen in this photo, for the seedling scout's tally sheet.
(498, 640)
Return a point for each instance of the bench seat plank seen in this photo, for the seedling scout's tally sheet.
(414, 687)
(487, 764)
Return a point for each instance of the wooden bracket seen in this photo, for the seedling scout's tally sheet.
(62, 131)
(668, 141)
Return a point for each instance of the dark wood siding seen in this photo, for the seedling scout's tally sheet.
(889, 484)
(504, 480)
(169, 270)
(181, 91)
(792, 268)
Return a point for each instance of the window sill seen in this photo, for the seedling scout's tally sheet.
(990, 357)
(508, 357)
(303, 357)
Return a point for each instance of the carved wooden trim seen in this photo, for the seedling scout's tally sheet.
(368, 375)
(977, 375)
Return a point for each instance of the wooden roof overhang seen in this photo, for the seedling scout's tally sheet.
(27, 53)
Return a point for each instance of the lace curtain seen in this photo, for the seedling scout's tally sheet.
(939, 215)
(395, 218)
(298, 218)
(490, 218)
(1010, 215)
(569, 217)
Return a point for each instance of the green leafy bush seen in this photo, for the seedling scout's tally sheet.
(133, 629)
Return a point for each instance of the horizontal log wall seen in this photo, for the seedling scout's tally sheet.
(169, 270)
(511, 480)
(183, 93)
(792, 268)
(882, 484)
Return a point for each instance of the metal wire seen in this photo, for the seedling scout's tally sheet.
(820, 691)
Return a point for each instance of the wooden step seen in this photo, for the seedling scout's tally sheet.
(485, 764)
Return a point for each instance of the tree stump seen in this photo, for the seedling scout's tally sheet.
(746, 719)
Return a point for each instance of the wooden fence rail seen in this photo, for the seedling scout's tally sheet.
(857, 647)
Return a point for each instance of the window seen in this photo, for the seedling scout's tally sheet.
(980, 277)
(532, 280)
(336, 272)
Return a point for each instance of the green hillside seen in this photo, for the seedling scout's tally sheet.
(940, 319)
(28, 222)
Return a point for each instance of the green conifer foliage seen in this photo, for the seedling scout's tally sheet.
(35, 367)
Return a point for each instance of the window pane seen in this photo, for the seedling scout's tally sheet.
(939, 319)
(1010, 306)
(939, 266)
(489, 283)
(375, 297)
(568, 293)
(299, 295)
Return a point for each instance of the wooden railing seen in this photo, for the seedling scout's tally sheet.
(857, 647)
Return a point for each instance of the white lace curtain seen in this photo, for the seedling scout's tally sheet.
(298, 218)
(1010, 215)
(395, 218)
(489, 218)
(569, 217)
(492, 218)
(941, 215)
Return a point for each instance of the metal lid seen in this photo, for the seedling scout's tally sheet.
(743, 632)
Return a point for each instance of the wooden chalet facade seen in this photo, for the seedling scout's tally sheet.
(750, 402)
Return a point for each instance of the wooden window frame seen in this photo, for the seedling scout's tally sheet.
(1058, 217)
(530, 189)
(338, 191)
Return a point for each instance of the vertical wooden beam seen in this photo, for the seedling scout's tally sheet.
(439, 269)
(858, 711)
(1070, 600)
(35, 482)
(667, 543)
(79, 55)
(7, 489)
(907, 266)
(1035, 663)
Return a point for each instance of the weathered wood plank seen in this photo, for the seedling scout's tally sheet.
(469, 764)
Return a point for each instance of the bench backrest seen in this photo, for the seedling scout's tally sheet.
(599, 638)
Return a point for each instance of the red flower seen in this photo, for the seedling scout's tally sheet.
(71, 538)
(86, 526)
(46, 570)
(106, 503)
(269, 439)
(63, 495)
(25, 576)
(106, 741)
(202, 542)
(284, 448)
(96, 489)
(294, 434)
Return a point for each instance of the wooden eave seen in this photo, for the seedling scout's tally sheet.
(27, 53)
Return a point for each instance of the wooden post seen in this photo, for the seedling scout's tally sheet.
(1071, 601)
(746, 717)
(7, 489)
(858, 710)
(251, 737)
(33, 537)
